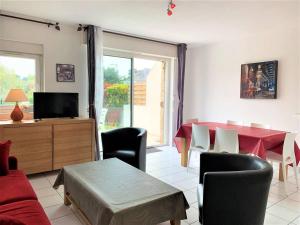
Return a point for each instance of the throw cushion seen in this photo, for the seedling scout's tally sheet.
(4, 154)
(9, 220)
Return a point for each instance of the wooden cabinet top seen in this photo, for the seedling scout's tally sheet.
(45, 122)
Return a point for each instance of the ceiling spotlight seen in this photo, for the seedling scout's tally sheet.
(171, 7)
(57, 26)
(79, 27)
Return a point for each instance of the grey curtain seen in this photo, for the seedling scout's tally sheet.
(91, 64)
(181, 54)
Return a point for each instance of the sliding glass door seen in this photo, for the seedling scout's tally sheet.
(116, 110)
(134, 95)
(149, 97)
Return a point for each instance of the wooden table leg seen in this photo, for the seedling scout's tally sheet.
(175, 222)
(67, 201)
(280, 177)
(184, 153)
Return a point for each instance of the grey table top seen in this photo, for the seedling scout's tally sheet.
(113, 192)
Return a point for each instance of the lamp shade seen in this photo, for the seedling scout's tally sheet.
(16, 95)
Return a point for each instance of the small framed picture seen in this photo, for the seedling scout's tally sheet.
(65, 73)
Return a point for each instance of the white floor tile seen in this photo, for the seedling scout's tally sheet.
(296, 221)
(67, 220)
(279, 188)
(195, 205)
(45, 192)
(52, 177)
(165, 165)
(290, 204)
(275, 198)
(191, 196)
(283, 213)
(57, 211)
(39, 182)
(51, 201)
(295, 196)
(273, 220)
(60, 189)
(196, 223)
(192, 215)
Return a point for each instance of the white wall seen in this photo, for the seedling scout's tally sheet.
(135, 45)
(212, 88)
(65, 46)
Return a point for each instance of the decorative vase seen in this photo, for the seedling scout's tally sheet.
(17, 114)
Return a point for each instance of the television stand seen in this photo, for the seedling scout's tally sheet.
(50, 144)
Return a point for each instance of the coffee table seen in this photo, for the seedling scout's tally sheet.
(111, 192)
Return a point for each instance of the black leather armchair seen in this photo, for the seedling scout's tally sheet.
(127, 144)
(233, 189)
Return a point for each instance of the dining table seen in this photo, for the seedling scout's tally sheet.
(252, 140)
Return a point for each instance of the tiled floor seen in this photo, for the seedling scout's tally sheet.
(165, 165)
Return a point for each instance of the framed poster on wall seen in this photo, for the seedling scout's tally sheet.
(259, 80)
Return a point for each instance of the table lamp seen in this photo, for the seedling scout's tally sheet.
(16, 95)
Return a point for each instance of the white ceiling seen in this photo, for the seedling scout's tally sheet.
(193, 22)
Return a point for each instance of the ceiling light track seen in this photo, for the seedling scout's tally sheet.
(81, 27)
(56, 25)
(84, 28)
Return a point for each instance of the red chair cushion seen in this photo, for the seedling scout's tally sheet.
(4, 153)
(15, 187)
(29, 212)
(9, 220)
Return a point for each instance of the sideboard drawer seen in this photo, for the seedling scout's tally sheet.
(32, 146)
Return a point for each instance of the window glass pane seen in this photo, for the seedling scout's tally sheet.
(116, 105)
(148, 98)
(17, 72)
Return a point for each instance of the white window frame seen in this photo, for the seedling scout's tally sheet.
(38, 66)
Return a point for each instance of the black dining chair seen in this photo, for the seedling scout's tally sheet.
(233, 189)
(127, 144)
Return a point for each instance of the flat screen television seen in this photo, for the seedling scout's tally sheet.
(55, 105)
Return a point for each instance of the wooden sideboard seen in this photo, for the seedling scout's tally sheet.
(50, 144)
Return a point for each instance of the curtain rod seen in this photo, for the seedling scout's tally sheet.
(56, 25)
(141, 38)
(105, 31)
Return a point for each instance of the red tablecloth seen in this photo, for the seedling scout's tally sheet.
(253, 140)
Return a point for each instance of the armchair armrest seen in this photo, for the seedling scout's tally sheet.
(114, 140)
(12, 163)
(109, 142)
(142, 142)
(122, 138)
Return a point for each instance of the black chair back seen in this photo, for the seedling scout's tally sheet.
(235, 189)
(120, 142)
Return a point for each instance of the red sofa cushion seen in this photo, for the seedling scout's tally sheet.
(15, 187)
(4, 153)
(29, 212)
(9, 220)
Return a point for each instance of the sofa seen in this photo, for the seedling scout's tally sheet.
(18, 199)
